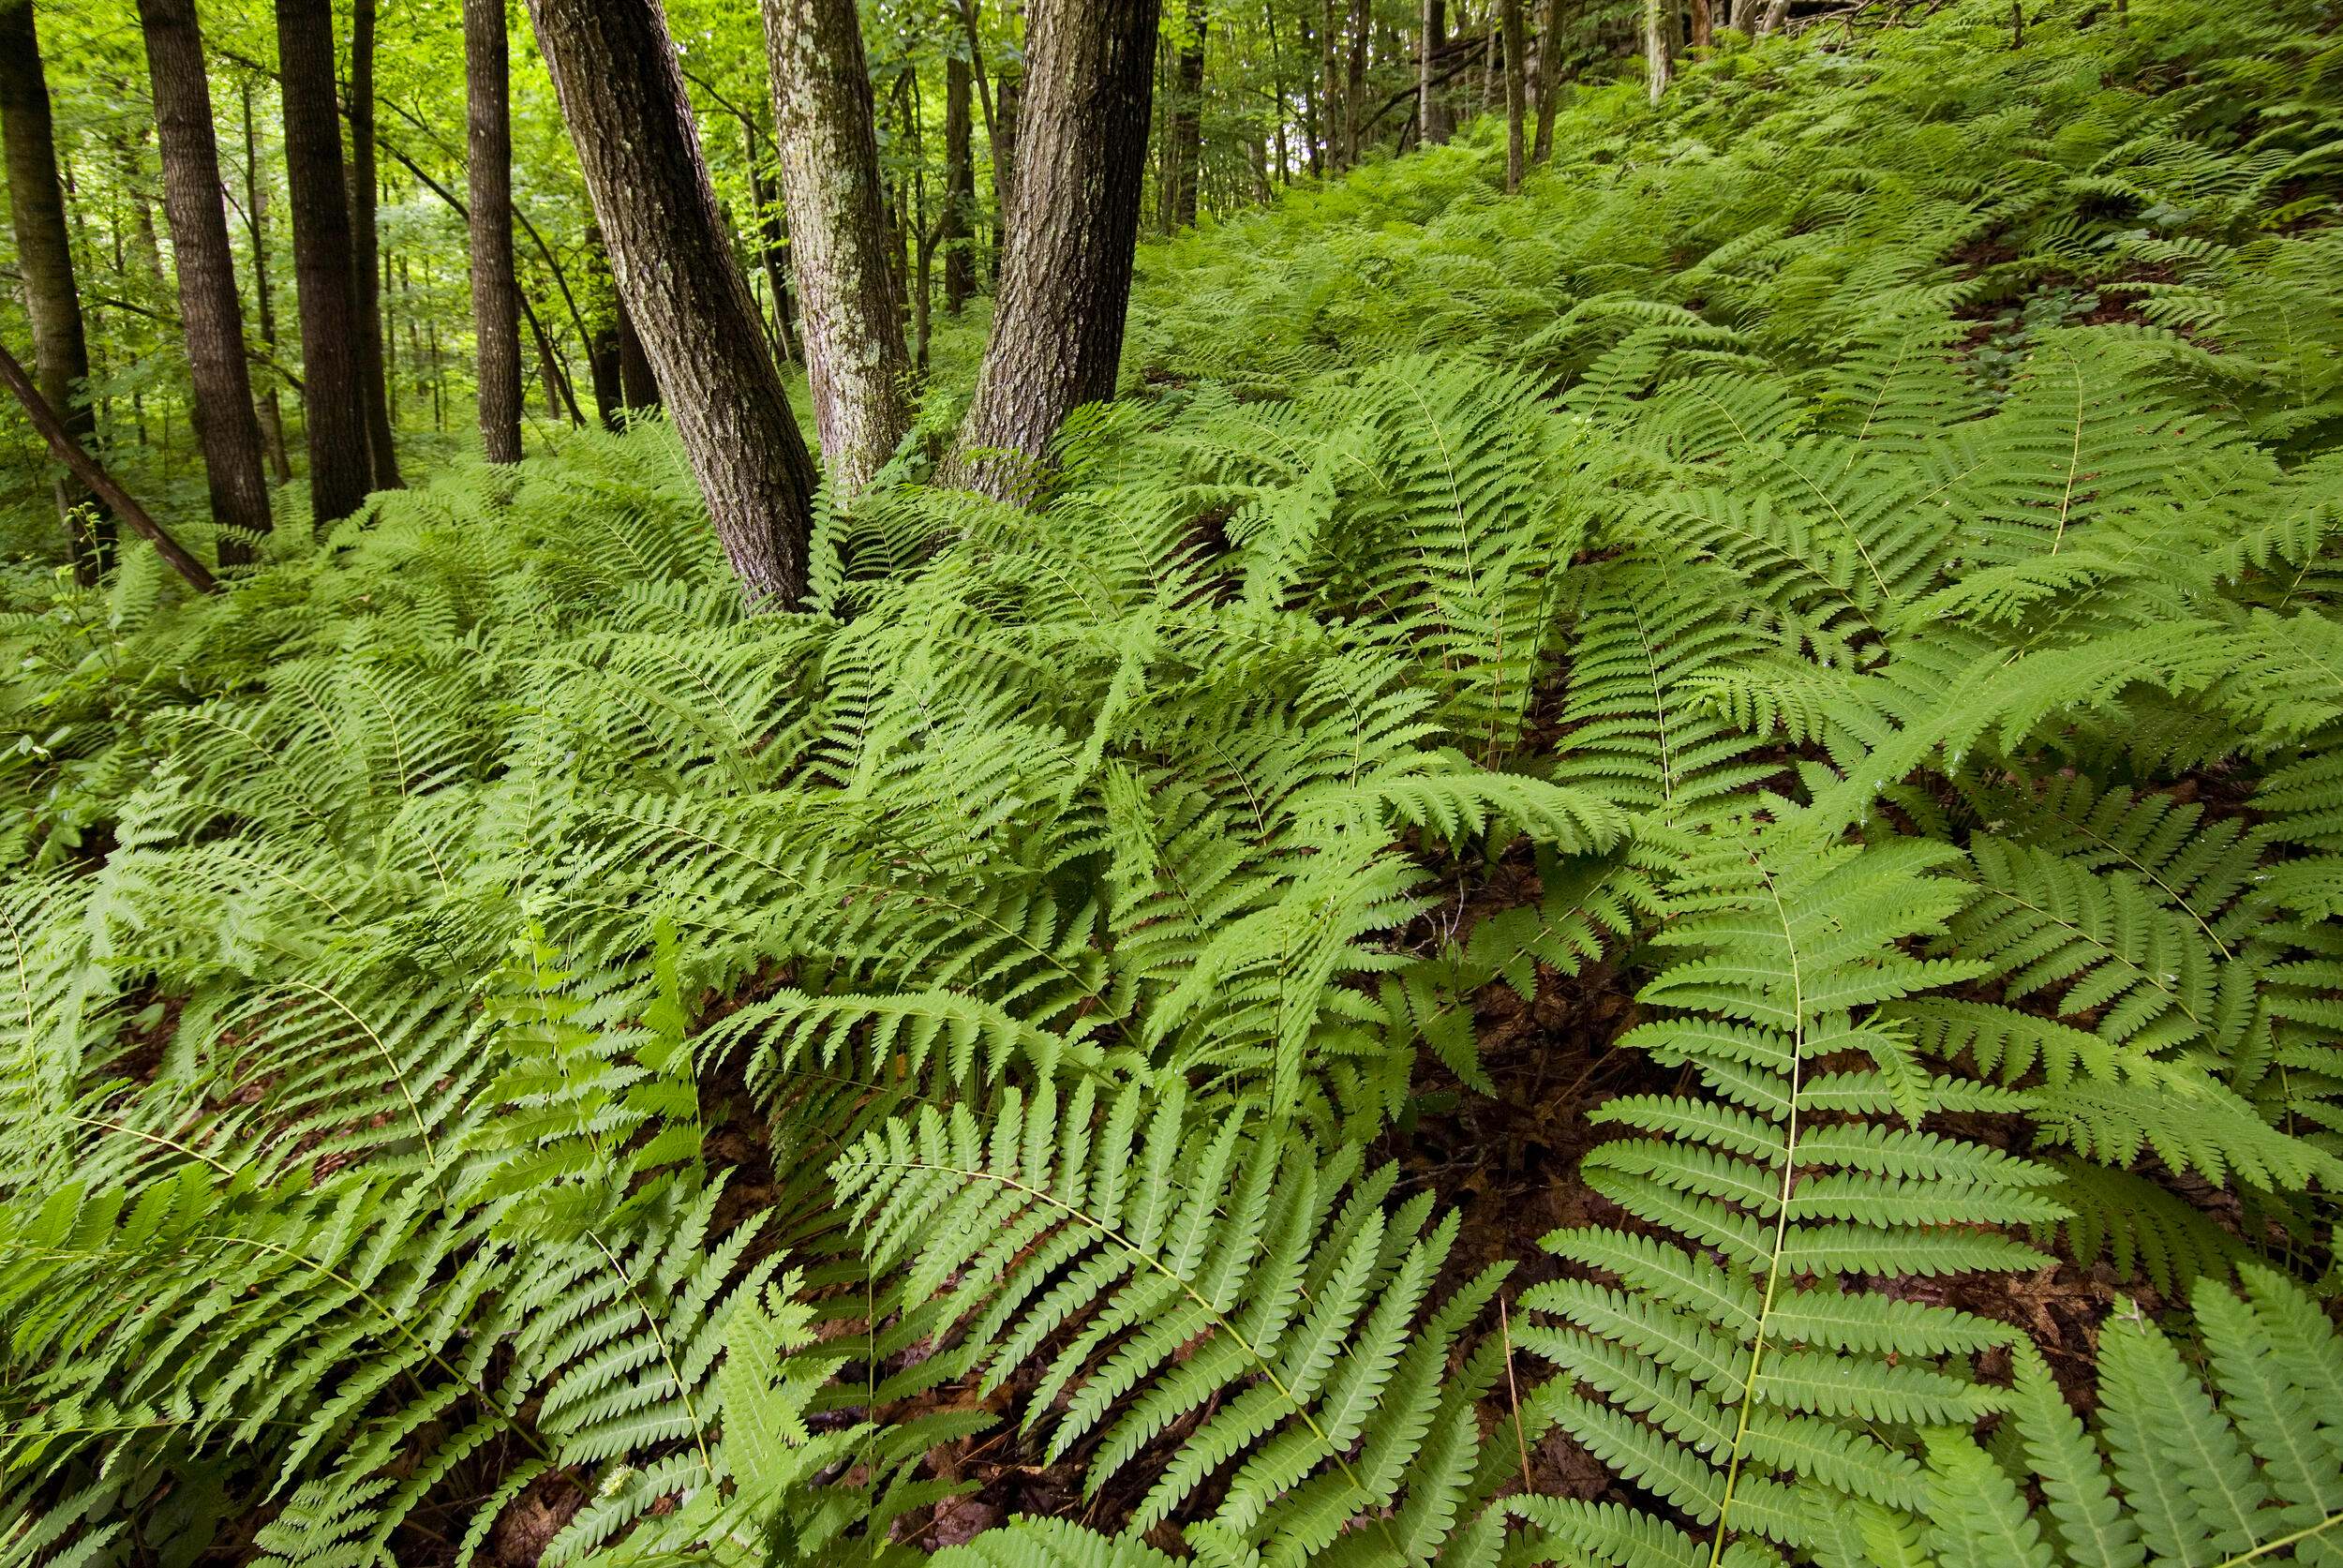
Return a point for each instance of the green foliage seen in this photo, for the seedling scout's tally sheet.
(498, 1032)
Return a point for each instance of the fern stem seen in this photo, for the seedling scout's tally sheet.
(2283, 1542)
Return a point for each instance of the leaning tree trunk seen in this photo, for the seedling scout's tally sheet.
(44, 254)
(1066, 277)
(1188, 123)
(226, 426)
(1516, 97)
(340, 465)
(960, 186)
(621, 92)
(824, 128)
(365, 252)
(495, 291)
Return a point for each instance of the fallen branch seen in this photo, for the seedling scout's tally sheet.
(86, 469)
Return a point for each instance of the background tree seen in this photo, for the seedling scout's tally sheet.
(227, 427)
(1065, 271)
(340, 465)
(960, 183)
(365, 256)
(825, 130)
(1515, 93)
(628, 113)
(1185, 167)
(45, 256)
(494, 287)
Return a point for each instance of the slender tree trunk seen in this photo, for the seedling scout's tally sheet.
(1188, 123)
(1779, 11)
(1329, 89)
(1066, 280)
(364, 250)
(773, 253)
(1703, 25)
(602, 363)
(623, 95)
(44, 254)
(1431, 113)
(1009, 91)
(50, 424)
(225, 423)
(264, 305)
(1354, 105)
(339, 462)
(1549, 80)
(1655, 47)
(960, 186)
(494, 289)
(1516, 97)
(826, 131)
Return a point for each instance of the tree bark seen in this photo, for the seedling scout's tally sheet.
(365, 252)
(1354, 85)
(50, 424)
(1066, 278)
(960, 186)
(1656, 47)
(44, 254)
(623, 94)
(226, 425)
(264, 305)
(1517, 95)
(638, 389)
(1704, 25)
(1431, 113)
(1188, 123)
(1549, 80)
(495, 287)
(1329, 90)
(826, 131)
(602, 363)
(340, 464)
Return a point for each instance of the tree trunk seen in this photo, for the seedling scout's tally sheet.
(364, 250)
(825, 130)
(602, 364)
(1517, 95)
(1066, 279)
(494, 289)
(1431, 113)
(772, 254)
(1549, 80)
(1703, 24)
(264, 307)
(960, 186)
(44, 254)
(1779, 11)
(638, 389)
(339, 462)
(1329, 91)
(621, 92)
(1354, 105)
(1656, 47)
(226, 425)
(1188, 123)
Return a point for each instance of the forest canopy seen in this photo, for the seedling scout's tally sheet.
(1096, 782)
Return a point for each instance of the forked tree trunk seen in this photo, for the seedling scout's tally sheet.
(226, 425)
(495, 290)
(44, 254)
(340, 465)
(623, 95)
(365, 253)
(960, 185)
(1066, 278)
(1517, 95)
(825, 130)
(1188, 123)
